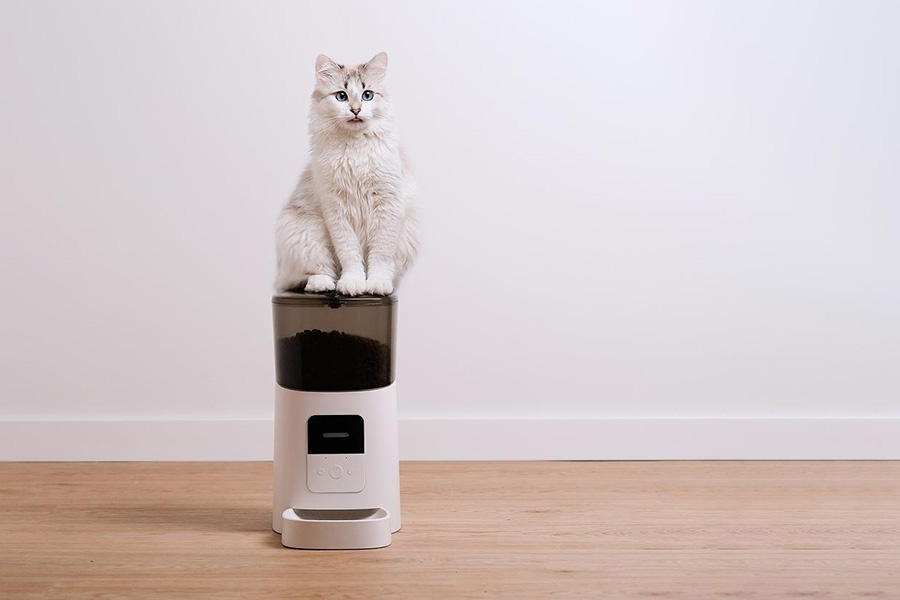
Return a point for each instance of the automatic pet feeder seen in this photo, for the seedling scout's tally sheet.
(337, 475)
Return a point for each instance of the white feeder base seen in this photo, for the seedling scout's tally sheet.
(342, 529)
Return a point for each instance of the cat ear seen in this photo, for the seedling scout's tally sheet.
(326, 71)
(377, 66)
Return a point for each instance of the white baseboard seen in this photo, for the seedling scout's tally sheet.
(471, 439)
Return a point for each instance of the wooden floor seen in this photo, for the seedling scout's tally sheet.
(687, 530)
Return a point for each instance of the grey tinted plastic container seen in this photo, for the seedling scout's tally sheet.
(327, 342)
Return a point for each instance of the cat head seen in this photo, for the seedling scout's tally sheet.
(350, 99)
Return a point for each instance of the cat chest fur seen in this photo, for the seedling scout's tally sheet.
(359, 176)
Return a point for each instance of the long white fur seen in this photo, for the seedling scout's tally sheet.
(350, 223)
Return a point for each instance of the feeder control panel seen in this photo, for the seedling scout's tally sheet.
(336, 453)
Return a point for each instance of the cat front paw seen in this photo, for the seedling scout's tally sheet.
(381, 286)
(352, 285)
(320, 283)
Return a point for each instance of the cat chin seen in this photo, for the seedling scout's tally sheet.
(358, 127)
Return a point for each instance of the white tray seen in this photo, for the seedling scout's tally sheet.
(336, 529)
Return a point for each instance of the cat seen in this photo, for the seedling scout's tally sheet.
(350, 224)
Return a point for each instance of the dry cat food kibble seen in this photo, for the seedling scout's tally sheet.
(332, 361)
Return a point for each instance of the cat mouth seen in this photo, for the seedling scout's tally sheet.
(355, 120)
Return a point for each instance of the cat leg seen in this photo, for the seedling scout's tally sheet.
(346, 247)
(304, 252)
(384, 229)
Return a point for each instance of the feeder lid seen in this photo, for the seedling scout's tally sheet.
(331, 299)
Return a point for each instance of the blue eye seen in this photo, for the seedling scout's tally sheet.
(341, 96)
(368, 95)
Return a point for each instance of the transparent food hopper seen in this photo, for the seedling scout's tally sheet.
(333, 343)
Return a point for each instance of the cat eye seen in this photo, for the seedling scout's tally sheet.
(368, 95)
(341, 96)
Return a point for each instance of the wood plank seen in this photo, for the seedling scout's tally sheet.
(688, 530)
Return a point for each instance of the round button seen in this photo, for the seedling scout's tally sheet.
(321, 472)
(351, 471)
(336, 471)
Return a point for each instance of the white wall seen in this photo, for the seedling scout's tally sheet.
(631, 209)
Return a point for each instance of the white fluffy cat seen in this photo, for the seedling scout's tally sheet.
(350, 223)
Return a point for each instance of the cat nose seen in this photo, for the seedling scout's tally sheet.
(355, 111)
